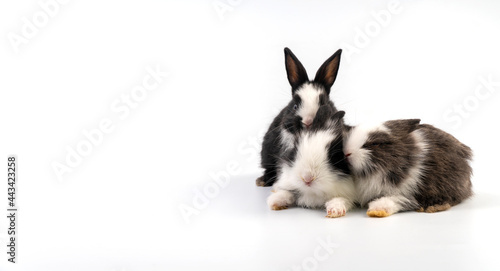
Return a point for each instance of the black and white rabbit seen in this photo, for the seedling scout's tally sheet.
(307, 97)
(402, 165)
(315, 172)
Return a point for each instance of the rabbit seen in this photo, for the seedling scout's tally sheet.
(402, 165)
(315, 172)
(307, 97)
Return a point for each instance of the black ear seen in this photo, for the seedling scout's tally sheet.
(325, 113)
(327, 73)
(338, 115)
(296, 73)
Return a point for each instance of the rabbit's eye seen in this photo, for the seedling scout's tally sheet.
(374, 144)
(295, 107)
(370, 145)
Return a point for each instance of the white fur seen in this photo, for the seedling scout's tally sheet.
(280, 199)
(360, 157)
(312, 159)
(375, 186)
(309, 95)
(338, 206)
(287, 139)
(389, 205)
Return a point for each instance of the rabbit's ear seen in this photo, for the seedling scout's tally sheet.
(296, 73)
(338, 119)
(338, 115)
(327, 73)
(402, 127)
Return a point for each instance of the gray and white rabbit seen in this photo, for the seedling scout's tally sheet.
(315, 172)
(402, 165)
(307, 97)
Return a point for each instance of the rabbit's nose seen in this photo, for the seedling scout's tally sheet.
(307, 121)
(308, 178)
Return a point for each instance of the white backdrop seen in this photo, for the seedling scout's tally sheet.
(136, 122)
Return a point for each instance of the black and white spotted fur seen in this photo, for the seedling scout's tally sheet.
(402, 165)
(307, 97)
(315, 173)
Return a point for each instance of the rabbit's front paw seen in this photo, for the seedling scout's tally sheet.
(336, 208)
(280, 200)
